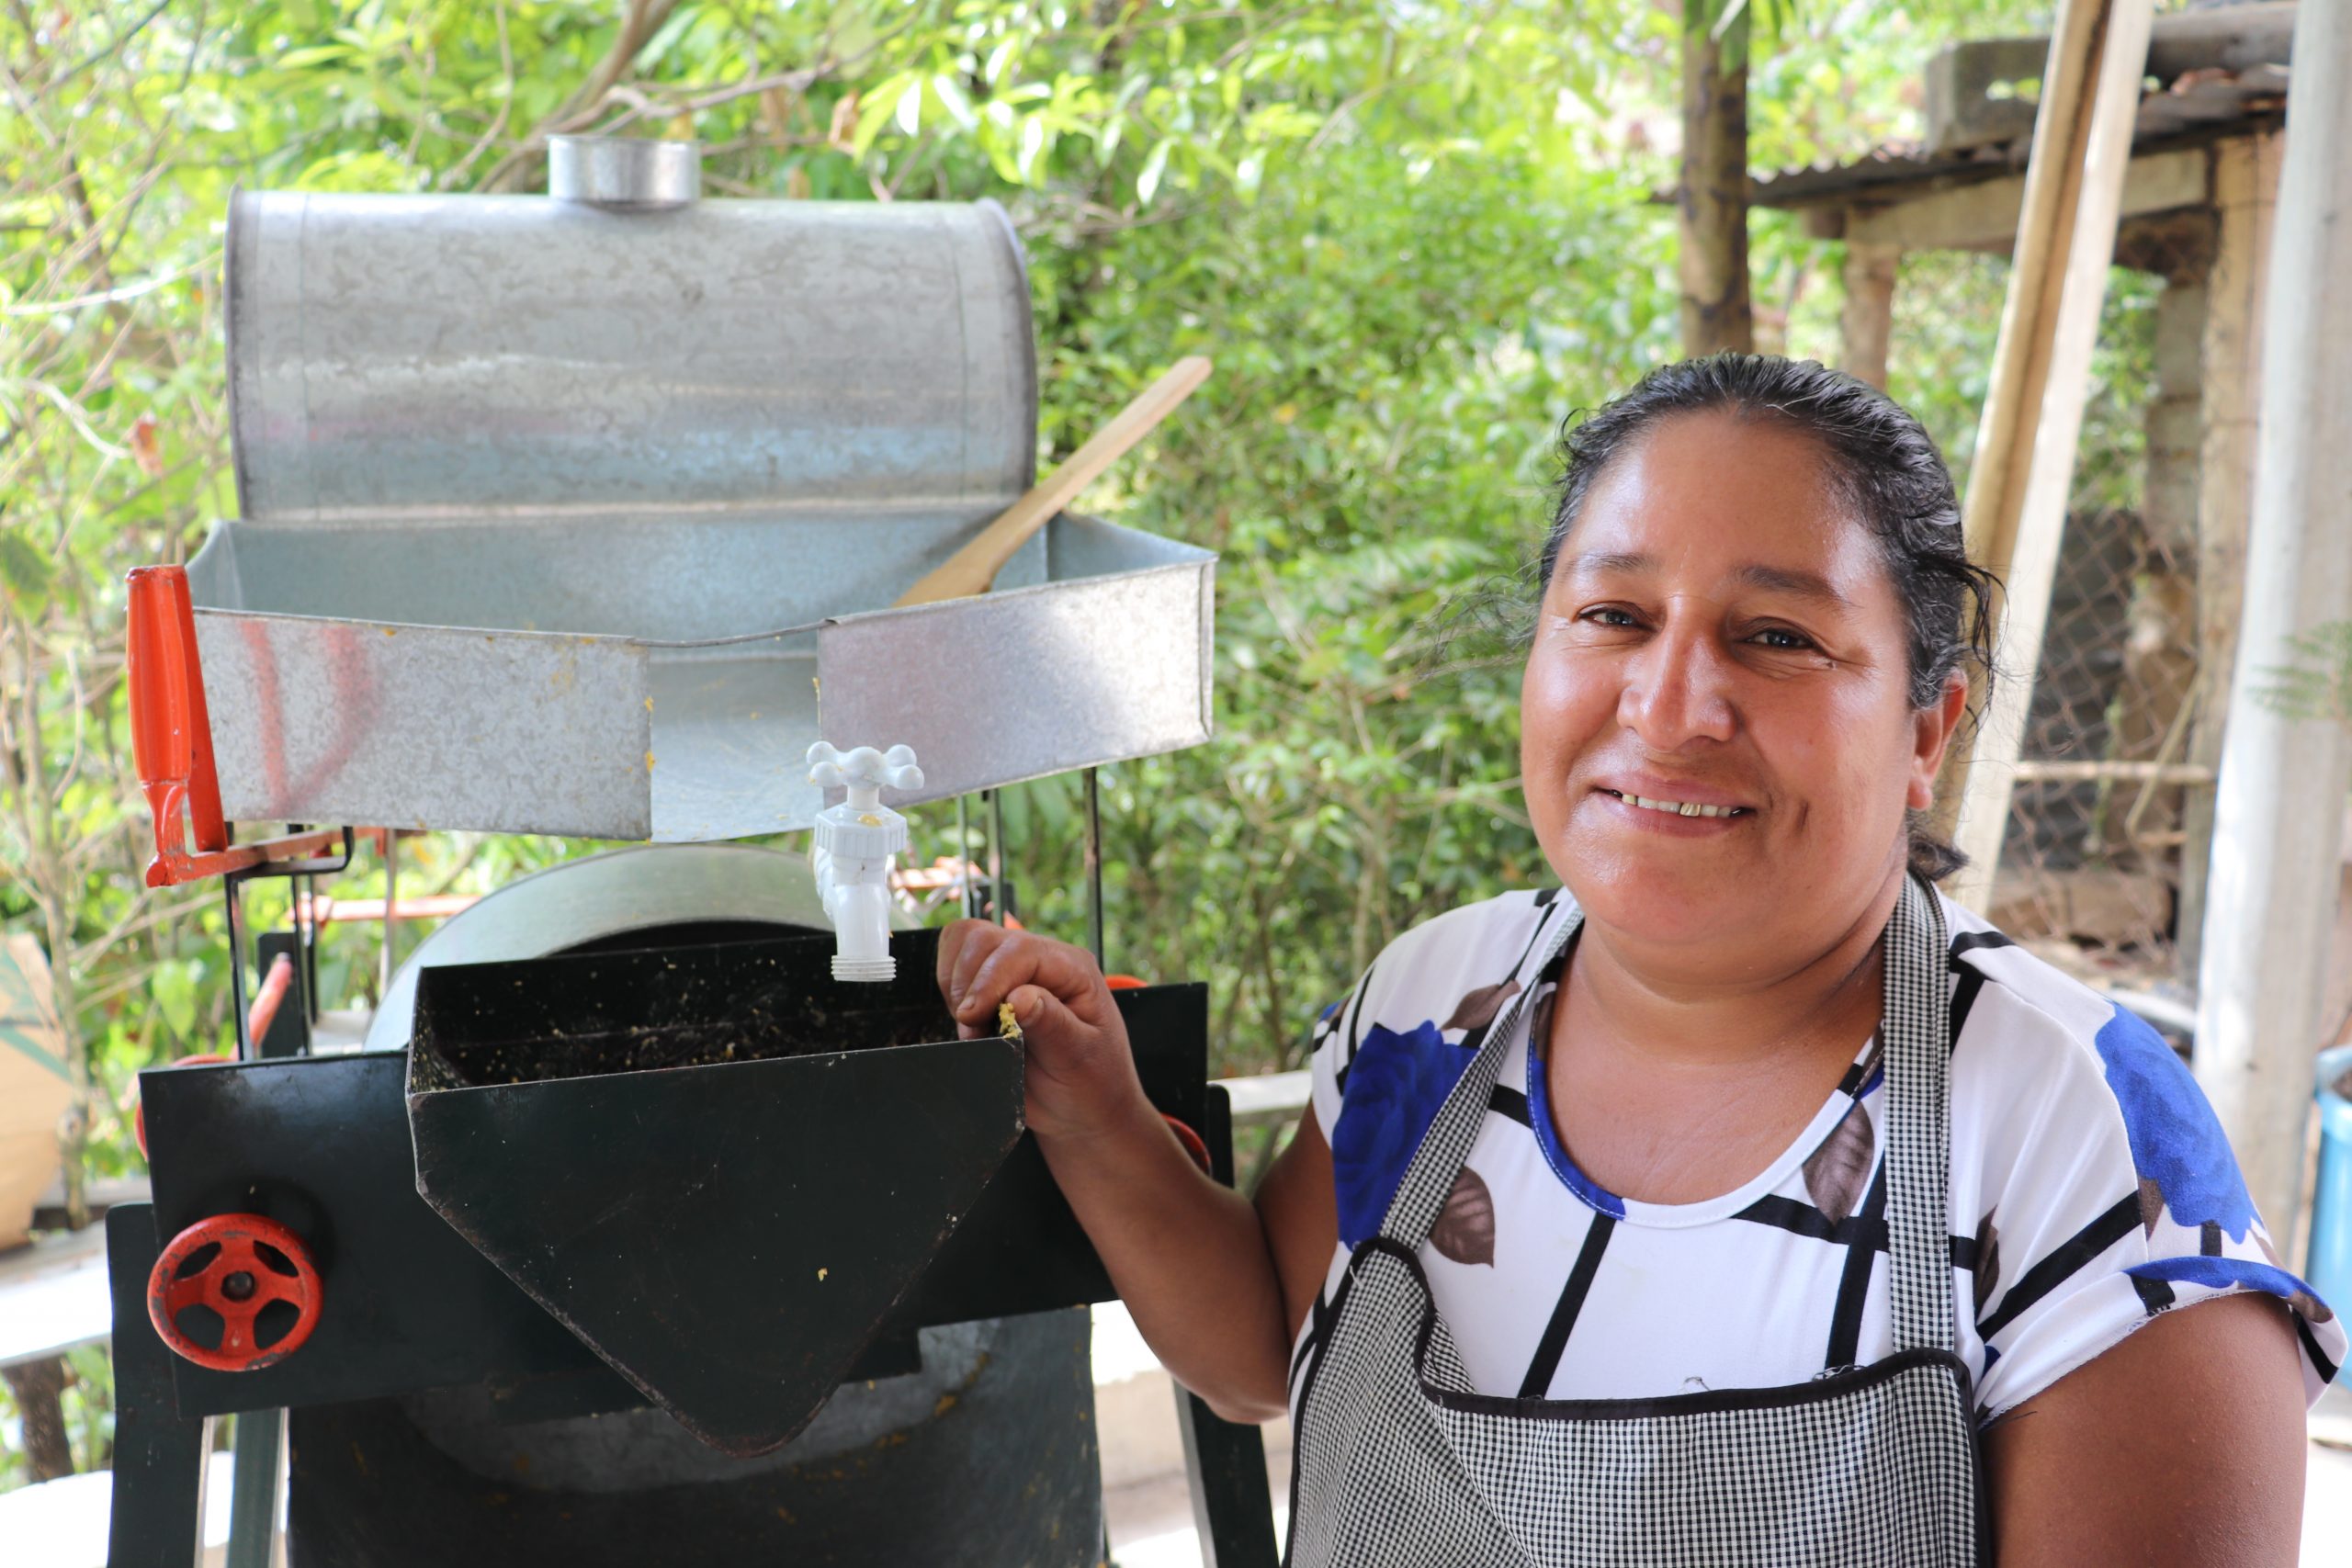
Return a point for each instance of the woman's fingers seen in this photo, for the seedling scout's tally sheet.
(981, 966)
(964, 949)
(1038, 1011)
(1080, 1072)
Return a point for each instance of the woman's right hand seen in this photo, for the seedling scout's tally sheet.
(1082, 1074)
(1192, 1259)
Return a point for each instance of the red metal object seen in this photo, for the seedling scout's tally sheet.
(266, 1001)
(241, 1277)
(171, 735)
(322, 911)
(1194, 1143)
(1123, 982)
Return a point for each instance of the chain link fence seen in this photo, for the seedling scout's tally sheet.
(2109, 814)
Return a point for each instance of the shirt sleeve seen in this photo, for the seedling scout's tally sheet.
(1326, 1060)
(2108, 1195)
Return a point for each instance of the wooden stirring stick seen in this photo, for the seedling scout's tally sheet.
(974, 568)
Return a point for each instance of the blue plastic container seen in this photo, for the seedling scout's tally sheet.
(2329, 1268)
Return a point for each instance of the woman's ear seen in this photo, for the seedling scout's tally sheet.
(1932, 729)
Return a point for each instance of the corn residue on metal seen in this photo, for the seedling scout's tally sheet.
(1006, 1024)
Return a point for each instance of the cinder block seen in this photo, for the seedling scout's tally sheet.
(1962, 111)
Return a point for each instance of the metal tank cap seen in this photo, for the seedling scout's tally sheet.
(625, 174)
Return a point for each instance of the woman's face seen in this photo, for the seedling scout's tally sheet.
(1720, 637)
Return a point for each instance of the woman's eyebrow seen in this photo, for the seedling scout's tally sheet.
(1802, 584)
(1772, 578)
(1630, 562)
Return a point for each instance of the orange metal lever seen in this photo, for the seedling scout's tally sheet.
(171, 738)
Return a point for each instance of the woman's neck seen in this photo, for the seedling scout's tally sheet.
(1733, 1006)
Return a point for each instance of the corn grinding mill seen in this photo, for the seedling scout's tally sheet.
(661, 1217)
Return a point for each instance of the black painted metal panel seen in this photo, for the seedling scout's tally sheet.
(158, 1456)
(320, 1144)
(1005, 1472)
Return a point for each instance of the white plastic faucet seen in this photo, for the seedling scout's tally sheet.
(856, 841)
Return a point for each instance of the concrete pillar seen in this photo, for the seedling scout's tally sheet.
(2278, 821)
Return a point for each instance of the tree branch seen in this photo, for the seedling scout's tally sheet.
(639, 21)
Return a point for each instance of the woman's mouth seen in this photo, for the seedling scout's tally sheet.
(1677, 807)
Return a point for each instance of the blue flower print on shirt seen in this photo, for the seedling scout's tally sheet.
(2236, 1273)
(1396, 1084)
(2177, 1141)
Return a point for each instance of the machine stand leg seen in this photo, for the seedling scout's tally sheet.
(158, 1457)
(1094, 868)
(252, 1499)
(289, 1032)
(1233, 1511)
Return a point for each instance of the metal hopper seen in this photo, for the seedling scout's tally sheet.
(582, 514)
(715, 1166)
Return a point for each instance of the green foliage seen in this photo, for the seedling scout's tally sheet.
(2316, 681)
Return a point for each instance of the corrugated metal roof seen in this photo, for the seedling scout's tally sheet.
(2200, 105)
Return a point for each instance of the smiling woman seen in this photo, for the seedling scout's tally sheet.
(1752, 1203)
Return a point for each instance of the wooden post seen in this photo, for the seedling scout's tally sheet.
(36, 1386)
(1867, 323)
(2245, 187)
(1713, 202)
(2025, 450)
(2277, 819)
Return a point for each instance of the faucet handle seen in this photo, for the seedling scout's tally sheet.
(899, 769)
(862, 767)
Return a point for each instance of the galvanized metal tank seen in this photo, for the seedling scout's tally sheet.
(581, 513)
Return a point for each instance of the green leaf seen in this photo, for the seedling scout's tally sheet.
(25, 570)
(1031, 159)
(950, 93)
(1154, 164)
(175, 996)
(873, 112)
(316, 55)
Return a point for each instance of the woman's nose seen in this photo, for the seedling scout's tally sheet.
(1677, 691)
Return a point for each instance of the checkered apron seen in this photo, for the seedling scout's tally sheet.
(1399, 1464)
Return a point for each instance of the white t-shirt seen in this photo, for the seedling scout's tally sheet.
(2091, 1187)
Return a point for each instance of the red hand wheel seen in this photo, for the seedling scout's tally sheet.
(234, 1265)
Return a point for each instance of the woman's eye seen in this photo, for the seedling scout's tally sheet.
(1610, 615)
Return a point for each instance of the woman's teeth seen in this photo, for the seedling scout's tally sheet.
(1677, 807)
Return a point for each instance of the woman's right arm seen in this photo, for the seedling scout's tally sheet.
(1218, 1287)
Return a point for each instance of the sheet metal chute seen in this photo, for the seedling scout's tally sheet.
(583, 514)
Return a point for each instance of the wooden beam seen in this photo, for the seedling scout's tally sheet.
(2016, 509)
(1867, 320)
(2277, 871)
(2245, 187)
(1983, 216)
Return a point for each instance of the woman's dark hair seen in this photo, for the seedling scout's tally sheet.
(1889, 471)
